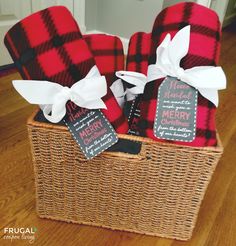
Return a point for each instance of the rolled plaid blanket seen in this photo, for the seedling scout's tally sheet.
(108, 53)
(138, 52)
(203, 51)
(137, 61)
(48, 45)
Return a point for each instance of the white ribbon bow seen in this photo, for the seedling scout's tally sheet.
(118, 90)
(206, 79)
(138, 80)
(52, 97)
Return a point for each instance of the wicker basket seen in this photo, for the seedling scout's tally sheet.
(156, 192)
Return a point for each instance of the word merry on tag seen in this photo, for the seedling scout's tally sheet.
(176, 111)
(90, 129)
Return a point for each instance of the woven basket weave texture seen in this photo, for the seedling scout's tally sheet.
(156, 192)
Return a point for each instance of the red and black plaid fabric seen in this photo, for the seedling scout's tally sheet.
(48, 45)
(108, 53)
(109, 57)
(137, 61)
(203, 51)
(138, 52)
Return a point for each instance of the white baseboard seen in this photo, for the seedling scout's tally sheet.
(124, 41)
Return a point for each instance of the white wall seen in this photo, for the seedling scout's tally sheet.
(10, 12)
(122, 17)
(91, 14)
(171, 2)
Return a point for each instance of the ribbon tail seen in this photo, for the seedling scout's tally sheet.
(117, 88)
(179, 46)
(37, 92)
(205, 77)
(121, 101)
(154, 72)
(56, 115)
(164, 44)
(210, 94)
(94, 72)
(118, 91)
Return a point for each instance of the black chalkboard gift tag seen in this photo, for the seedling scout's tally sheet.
(176, 111)
(90, 128)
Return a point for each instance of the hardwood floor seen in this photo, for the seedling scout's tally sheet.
(216, 223)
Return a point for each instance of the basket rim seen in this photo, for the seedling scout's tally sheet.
(32, 122)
